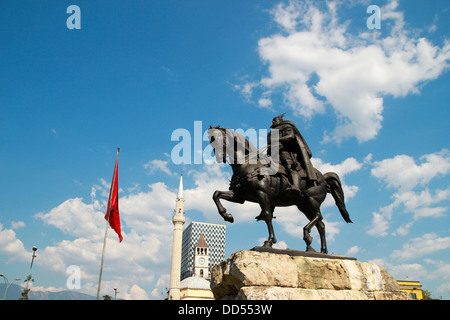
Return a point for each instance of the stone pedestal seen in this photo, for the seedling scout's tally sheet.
(259, 275)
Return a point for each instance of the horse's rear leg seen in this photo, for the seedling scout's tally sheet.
(313, 213)
(321, 228)
(267, 215)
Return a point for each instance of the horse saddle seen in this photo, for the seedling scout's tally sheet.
(265, 169)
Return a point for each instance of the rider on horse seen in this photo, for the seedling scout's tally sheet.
(294, 153)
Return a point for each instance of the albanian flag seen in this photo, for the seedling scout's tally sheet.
(112, 208)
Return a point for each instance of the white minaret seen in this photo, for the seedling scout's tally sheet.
(178, 221)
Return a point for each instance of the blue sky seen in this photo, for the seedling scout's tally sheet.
(372, 105)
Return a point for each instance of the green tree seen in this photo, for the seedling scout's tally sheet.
(24, 292)
(107, 297)
(426, 295)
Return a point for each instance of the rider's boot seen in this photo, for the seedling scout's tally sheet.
(295, 187)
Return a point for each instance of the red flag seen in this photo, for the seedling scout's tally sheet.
(112, 208)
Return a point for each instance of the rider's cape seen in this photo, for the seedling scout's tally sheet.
(303, 152)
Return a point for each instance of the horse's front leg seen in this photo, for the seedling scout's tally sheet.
(226, 195)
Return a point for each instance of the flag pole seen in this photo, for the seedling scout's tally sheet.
(106, 232)
(103, 257)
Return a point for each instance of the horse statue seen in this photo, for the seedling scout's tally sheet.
(253, 181)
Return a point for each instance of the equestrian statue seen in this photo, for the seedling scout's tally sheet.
(282, 177)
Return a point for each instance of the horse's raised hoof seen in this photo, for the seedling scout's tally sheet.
(267, 244)
(228, 217)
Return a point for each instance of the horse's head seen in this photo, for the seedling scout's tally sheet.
(226, 142)
(217, 139)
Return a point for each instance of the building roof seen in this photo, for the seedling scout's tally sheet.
(195, 283)
(201, 242)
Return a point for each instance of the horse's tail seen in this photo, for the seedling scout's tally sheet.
(334, 187)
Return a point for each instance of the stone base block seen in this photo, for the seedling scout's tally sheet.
(252, 275)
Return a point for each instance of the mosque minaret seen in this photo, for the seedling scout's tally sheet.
(178, 221)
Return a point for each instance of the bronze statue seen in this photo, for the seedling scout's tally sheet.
(296, 182)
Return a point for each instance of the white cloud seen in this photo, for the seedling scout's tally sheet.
(17, 224)
(265, 103)
(353, 250)
(379, 226)
(403, 230)
(316, 62)
(11, 246)
(430, 212)
(442, 271)
(407, 271)
(403, 174)
(421, 246)
(150, 211)
(81, 252)
(76, 218)
(136, 293)
(414, 201)
(286, 16)
(155, 165)
(246, 89)
(444, 288)
(347, 166)
(161, 288)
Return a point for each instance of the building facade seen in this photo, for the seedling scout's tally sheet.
(195, 288)
(214, 237)
(412, 289)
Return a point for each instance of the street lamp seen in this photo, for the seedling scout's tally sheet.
(8, 283)
(115, 293)
(31, 266)
(34, 256)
